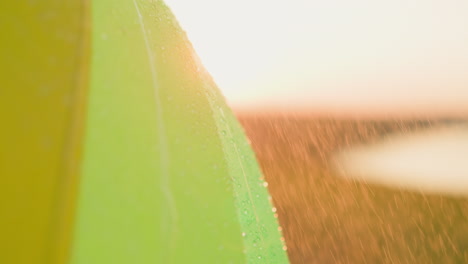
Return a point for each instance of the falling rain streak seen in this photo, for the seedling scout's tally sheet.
(330, 219)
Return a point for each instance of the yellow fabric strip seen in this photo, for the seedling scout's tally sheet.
(43, 68)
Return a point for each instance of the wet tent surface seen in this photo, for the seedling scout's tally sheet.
(167, 174)
(327, 219)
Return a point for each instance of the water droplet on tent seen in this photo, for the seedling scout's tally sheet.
(259, 257)
(223, 132)
(243, 234)
(265, 184)
(285, 248)
(273, 209)
(280, 228)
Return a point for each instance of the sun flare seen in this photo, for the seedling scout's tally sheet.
(333, 55)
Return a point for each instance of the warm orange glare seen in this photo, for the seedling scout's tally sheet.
(334, 55)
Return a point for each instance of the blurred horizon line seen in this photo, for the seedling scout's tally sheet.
(346, 113)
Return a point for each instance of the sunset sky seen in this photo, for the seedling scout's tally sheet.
(334, 55)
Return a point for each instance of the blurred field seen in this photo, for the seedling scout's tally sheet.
(326, 219)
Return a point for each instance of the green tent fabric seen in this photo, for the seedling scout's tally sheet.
(166, 174)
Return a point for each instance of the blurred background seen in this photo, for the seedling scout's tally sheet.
(334, 56)
(357, 111)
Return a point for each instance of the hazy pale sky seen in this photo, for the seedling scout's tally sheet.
(334, 55)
